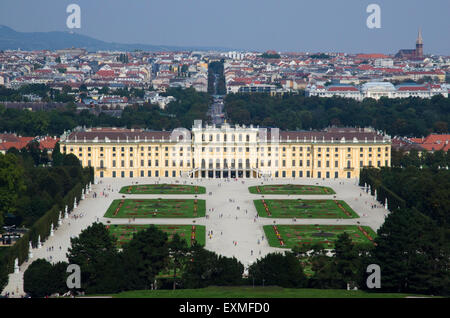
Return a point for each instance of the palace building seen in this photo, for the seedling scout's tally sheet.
(228, 152)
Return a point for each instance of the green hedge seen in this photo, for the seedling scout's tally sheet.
(42, 226)
(371, 177)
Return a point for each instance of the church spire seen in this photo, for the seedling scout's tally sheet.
(419, 37)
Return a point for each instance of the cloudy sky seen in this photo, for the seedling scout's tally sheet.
(282, 25)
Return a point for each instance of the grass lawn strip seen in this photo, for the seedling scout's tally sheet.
(257, 292)
(124, 232)
(157, 208)
(162, 189)
(288, 236)
(316, 209)
(290, 189)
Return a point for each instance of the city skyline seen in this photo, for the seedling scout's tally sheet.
(284, 26)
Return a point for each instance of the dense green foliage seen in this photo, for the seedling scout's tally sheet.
(105, 269)
(427, 190)
(41, 192)
(413, 254)
(266, 55)
(45, 92)
(410, 116)
(43, 279)
(320, 56)
(189, 105)
(207, 268)
(29, 188)
(412, 245)
(278, 270)
(432, 160)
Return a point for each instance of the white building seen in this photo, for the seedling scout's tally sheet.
(384, 63)
(377, 90)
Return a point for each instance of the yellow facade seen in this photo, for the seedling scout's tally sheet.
(227, 152)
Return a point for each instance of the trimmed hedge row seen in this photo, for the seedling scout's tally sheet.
(369, 176)
(42, 225)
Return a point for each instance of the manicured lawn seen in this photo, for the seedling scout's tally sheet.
(162, 189)
(290, 189)
(124, 232)
(158, 208)
(315, 209)
(256, 292)
(299, 235)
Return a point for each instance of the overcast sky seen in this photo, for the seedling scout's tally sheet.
(281, 25)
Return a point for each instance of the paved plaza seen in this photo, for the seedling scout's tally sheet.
(230, 215)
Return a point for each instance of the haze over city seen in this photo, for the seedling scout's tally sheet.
(286, 25)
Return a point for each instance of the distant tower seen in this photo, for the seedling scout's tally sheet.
(419, 45)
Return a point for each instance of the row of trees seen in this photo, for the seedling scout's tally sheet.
(44, 91)
(29, 186)
(105, 269)
(405, 117)
(33, 194)
(428, 159)
(189, 105)
(427, 190)
(412, 245)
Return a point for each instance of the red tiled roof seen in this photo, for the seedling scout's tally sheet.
(434, 142)
(342, 88)
(413, 88)
(106, 73)
(18, 145)
(371, 56)
(48, 143)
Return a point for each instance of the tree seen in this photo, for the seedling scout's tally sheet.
(146, 255)
(57, 157)
(3, 271)
(37, 277)
(413, 254)
(44, 279)
(278, 269)
(92, 250)
(12, 184)
(205, 268)
(346, 258)
(178, 254)
(228, 271)
(71, 160)
(58, 279)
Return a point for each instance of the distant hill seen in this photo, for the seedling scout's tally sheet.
(56, 40)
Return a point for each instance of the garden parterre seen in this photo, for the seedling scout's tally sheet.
(190, 233)
(164, 188)
(316, 209)
(158, 208)
(290, 189)
(289, 236)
